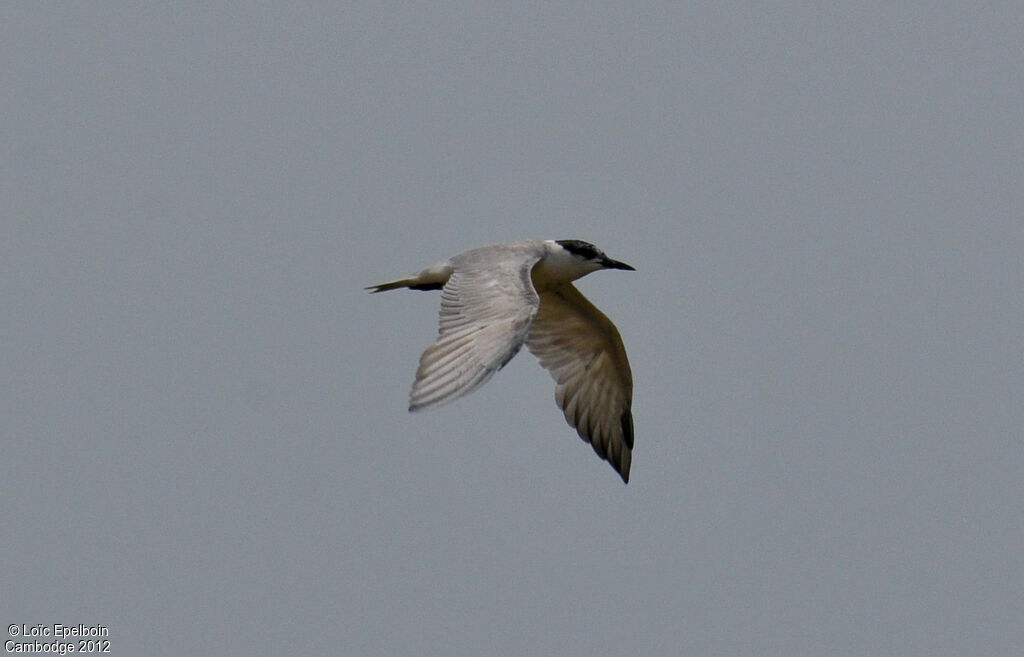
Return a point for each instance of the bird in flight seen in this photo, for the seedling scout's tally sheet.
(497, 298)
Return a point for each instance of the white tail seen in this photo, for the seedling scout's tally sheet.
(431, 278)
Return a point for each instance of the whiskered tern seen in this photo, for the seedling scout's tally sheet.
(496, 298)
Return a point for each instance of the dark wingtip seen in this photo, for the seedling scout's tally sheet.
(626, 420)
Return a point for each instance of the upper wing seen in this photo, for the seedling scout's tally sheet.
(486, 309)
(584, 353)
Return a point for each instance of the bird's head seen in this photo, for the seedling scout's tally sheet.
(583, 257)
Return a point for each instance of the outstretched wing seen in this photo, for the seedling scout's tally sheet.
(486, 309)
(584, 353)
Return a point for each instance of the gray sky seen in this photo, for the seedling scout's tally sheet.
(205, 441)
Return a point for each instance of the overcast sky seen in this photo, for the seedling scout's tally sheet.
(205, 443)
